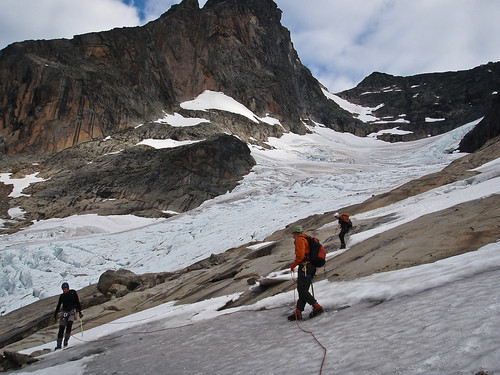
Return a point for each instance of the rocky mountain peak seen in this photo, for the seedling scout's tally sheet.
(60, 93)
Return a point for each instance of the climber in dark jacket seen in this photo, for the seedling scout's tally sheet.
(70, 308)
(345, 225)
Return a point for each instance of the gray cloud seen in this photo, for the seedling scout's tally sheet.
(50, 19)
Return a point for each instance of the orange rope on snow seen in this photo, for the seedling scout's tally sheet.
(309, 332)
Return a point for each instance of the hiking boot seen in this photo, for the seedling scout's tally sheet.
(296, 315)
(65, 343)
(317, 309)
(342, 246)
(57, 347)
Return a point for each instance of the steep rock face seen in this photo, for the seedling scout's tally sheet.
(427, 104)
(59, 93)
(487, 129)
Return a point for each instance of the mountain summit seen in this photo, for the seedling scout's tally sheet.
(60, 93)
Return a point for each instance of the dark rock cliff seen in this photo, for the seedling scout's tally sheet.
(430, 103)
(487, 129)
(140, 180)
(59, 93)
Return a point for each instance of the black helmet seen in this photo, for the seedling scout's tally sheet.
(64, 285)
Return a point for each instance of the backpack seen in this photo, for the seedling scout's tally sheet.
(345, 222)
(317, 252)
(345, 218)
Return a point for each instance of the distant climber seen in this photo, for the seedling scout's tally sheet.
(70, 308)
(345, 226)
(305, 274)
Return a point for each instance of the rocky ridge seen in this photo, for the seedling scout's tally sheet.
(59, 93)
(432, 103)
(139, 180)
(487, 129)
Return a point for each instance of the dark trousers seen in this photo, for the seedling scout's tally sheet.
(342, 236)
(303, 284)
(61, 334)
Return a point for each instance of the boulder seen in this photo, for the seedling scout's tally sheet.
(110, 279)
(13, 360)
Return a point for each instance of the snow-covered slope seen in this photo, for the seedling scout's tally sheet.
(442, 317)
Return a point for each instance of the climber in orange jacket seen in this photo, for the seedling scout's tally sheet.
(305, 274)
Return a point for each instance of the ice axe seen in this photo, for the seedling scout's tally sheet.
(81, 324)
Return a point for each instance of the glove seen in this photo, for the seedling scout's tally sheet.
(55, 318)
(292, 268)
(80, 314)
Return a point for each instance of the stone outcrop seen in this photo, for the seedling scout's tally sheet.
(139, 180)
(60, 93)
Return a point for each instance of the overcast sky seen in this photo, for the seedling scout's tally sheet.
(340, 41)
